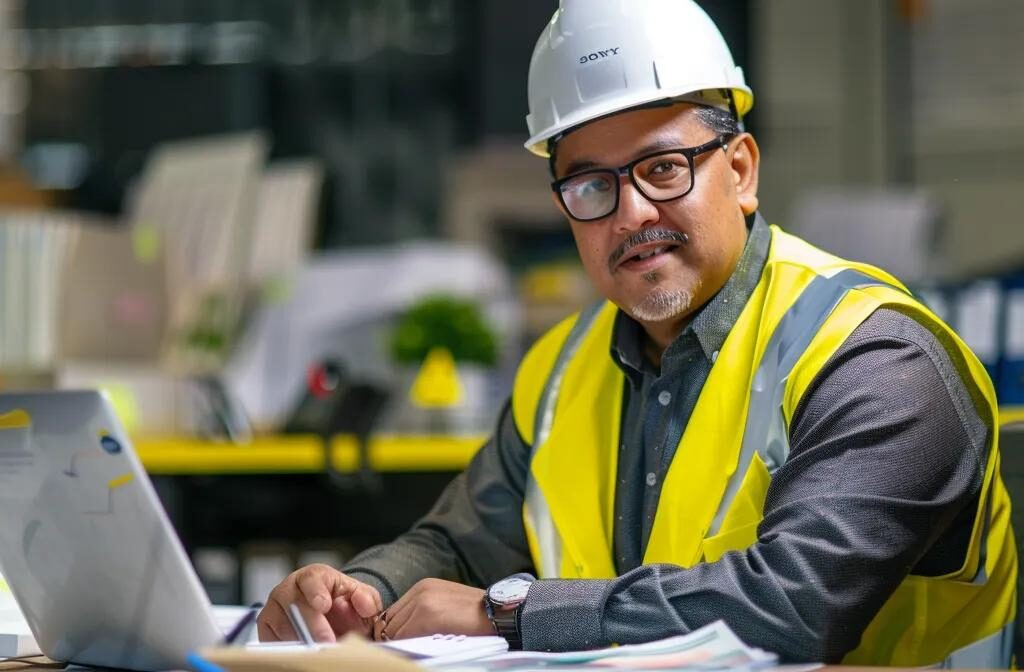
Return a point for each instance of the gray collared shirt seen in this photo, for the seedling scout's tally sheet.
(657, 404)
(887, 454)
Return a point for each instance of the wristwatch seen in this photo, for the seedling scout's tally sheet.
(503, 603)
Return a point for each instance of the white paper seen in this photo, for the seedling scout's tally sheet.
(714, 646)
(439, 650)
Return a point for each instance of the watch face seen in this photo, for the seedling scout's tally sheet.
(509, 591)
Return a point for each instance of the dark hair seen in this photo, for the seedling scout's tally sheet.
(718, 120)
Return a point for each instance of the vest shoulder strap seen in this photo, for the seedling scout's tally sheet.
(534, 378)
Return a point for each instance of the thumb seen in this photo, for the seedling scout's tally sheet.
(366, 601)
(318, 588)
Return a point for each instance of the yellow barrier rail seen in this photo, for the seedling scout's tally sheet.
(287, 454)
(1008, 414)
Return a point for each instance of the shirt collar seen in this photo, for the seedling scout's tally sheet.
(713, 322)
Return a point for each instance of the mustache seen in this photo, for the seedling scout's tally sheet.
(643, 237)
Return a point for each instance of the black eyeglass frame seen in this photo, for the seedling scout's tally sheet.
(689, 152)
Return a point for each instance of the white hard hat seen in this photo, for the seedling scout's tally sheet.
(598, 57)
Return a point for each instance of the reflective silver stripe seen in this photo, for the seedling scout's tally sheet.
(765, 432)
(982, 575)
(992, 653)
(536, 506)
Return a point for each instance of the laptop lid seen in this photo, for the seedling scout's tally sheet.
(85, 545)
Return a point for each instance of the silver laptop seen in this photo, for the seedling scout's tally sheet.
(85, 545)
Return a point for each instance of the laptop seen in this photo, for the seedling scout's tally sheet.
(87, 549)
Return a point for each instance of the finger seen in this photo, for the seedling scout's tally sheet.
(316, 589)
(344, 618)
(404, 625)
(317, 623)
(273, 625)
(400, 613)
(366, 601)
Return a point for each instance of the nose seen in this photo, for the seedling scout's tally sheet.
(634, 211)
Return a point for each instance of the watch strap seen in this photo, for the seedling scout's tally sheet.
(506, 624)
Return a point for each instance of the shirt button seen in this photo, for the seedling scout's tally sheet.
(651, 479)
(714, 356)
(665, 397)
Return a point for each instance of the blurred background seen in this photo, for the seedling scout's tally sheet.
(300, 246)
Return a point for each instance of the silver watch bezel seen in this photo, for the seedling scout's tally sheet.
(509, 591)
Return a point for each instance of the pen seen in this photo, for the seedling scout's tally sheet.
(241, 630)
(299, 625)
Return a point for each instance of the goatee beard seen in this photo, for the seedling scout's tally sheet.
(661, 304)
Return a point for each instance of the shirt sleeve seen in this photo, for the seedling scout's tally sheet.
(474, 533)
(887, 458)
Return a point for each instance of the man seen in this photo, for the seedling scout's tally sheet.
(750, 429)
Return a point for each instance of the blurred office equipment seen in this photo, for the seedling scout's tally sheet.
(114, 304)
(897, 230)
(34, 248)
(285, 217)
(379, 92)
(151, 305)
(217, 568)
(264, 565)
(497, 197)
(341, 306)
(197, 199)
(977, 318)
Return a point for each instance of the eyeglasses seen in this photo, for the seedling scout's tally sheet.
(660, 177)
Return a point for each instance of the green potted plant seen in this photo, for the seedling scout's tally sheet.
(449, 322)
(449, 329)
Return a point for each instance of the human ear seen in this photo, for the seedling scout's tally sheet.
(745, 161)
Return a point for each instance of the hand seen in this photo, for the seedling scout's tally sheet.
(331, 603)
(435, 606)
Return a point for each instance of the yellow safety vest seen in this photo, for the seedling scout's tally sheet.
(568, 400)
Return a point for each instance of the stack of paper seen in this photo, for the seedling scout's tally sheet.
(712, 647)
(34, 247)
(196, 199)
(285, 219)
